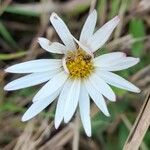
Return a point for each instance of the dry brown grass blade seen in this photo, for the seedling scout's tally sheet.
(103, 13)
(56, 141)
(142, 6)
(119, 43)
(141, 73)
(24, 141)
(75, 143)
(4, 5)
(2, 94)
(122, 12)
(142, 79)
(93, 5)
(51, 6)
(139, 128)
(127, 123)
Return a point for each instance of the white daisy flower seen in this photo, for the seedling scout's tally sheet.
(78, 76)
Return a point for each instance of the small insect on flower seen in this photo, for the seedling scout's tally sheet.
(78, 76)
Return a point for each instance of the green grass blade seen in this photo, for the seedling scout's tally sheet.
(137, 30)
(7, 36)
(12, 56)
(21, 11)
(115, 5)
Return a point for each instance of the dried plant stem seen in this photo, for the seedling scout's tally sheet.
(92, 6)
(129, 126)
(139, 128)
(53, 143)
(75, 145)
(122, 12)
(24, 141)
(51, 6)
(102, 9)
(4, 5)
(113, 45)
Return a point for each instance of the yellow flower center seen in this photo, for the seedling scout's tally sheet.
(79, 64)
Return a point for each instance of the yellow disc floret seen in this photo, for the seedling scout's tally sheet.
(79, 64)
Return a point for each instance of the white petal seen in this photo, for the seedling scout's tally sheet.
(97, 97)
(121, 64)
(64, 65)
(30, 80)
(88, 27)
(39, 65)
(84, 106)
(102, 87)
(118, 81)
(61, 104)
(72, 100)
(38, 106)
(52, 47)
(85, 48)
(51, 86)
(62, 31)
(108, 59)
(101, 36)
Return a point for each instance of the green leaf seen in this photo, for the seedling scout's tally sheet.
(137, 30)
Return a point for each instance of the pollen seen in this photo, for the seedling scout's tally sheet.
(79, 64)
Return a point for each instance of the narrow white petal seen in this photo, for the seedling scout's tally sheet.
(120, 64)
(38, 106)
(61, 104)
(84, 106)
(64, 65)
(62, 31)
(52, 47)
(108, 59)
(102, 87)
(51, 86)
(30, 80)
(84, 47)
(39, 65)
(72, 100)
(88, 27)
(97, 97)
(118, 81)
(101, 36)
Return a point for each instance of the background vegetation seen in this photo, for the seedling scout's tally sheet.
(21, 22)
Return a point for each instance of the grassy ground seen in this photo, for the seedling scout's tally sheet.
(21, 22)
